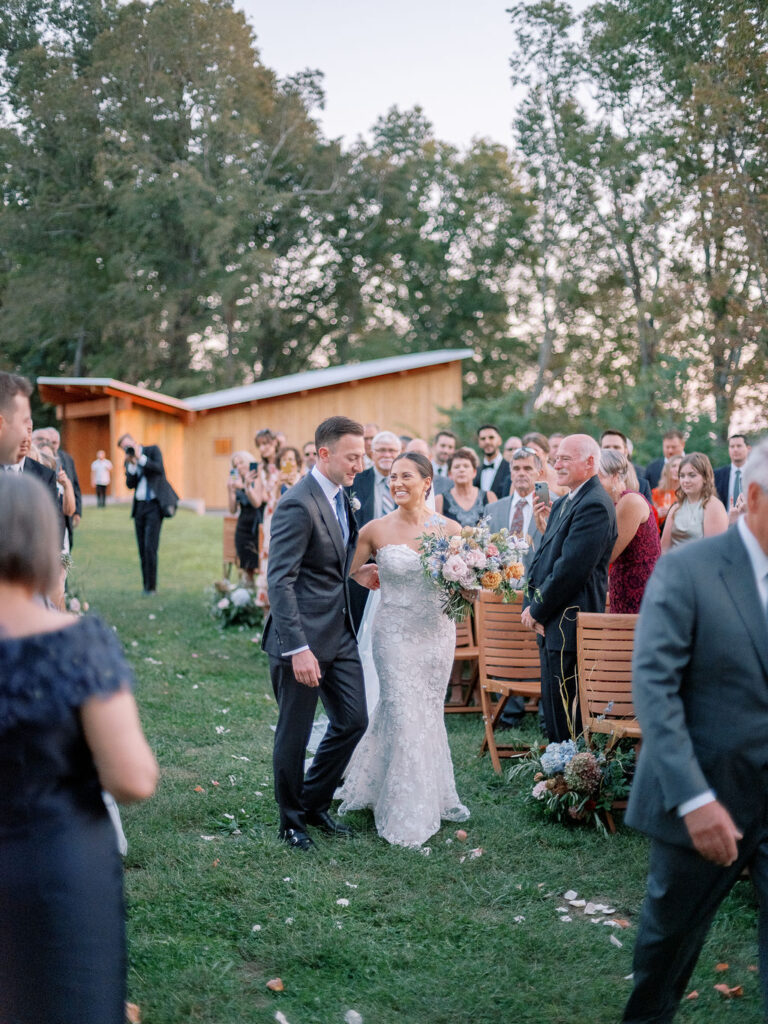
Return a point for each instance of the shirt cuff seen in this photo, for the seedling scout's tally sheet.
(695, 803)
(142, 459)
(288, 654)
(131, 468)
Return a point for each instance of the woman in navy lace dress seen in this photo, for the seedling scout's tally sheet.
(68, 729)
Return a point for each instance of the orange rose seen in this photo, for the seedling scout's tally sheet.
(515, 571)
(490, 580)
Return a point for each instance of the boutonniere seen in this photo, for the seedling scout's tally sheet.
(354, 502)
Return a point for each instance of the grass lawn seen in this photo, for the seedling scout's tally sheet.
(217, 906)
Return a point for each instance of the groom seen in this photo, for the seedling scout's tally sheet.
(309, 635)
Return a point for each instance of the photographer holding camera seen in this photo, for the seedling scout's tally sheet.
(153, 500)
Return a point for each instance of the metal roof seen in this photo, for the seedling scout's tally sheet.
(312, 379)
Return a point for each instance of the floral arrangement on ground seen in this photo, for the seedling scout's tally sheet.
(473, 560)
(232, 604)
(576, 783)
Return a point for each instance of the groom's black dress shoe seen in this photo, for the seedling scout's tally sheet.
(297, 840)
(327, 824)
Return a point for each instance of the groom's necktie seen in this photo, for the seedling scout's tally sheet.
(341, 515)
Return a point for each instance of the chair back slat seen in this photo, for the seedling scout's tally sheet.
(604, 665)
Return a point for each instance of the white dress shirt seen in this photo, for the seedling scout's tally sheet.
(143, 491)
(488, 472)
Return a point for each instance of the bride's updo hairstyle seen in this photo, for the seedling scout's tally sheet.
(422, 463)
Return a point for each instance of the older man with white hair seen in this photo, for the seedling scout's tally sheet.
(569, 573)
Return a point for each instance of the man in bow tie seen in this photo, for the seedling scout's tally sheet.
(493, 472)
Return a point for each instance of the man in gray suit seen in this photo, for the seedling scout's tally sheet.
(515, 513)
(700, 684)
(309, 635)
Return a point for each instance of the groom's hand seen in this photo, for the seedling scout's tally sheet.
(306, 668)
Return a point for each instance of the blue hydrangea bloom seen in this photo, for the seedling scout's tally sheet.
(556, 756)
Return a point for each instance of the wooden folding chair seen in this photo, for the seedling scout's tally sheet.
(229, 553)
(509, 665)
(604, 667)
(465, 673)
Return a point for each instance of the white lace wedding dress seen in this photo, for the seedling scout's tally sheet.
(402, 766)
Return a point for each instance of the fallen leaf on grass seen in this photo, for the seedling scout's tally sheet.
(729, 993)
(199, 789)
(132, 1013)
(719, 968)
(692, 995)
(275, 985)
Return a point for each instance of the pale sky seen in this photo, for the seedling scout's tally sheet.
(451, 57)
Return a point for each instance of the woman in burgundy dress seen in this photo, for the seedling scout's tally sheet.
(637, 547)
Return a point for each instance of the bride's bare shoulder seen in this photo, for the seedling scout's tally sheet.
(441, 524)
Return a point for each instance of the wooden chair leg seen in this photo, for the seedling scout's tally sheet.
(488, 722)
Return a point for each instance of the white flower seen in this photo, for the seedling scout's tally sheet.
(223, 603)
(454, 569)
(240, 597)
(475, 558)
(354, 504)
(539, 790)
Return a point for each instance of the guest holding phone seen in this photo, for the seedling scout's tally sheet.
(242, 497)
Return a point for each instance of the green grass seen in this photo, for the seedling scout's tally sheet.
(427, 939)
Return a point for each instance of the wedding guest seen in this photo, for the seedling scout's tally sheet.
(370, 431)
(241, 499)
(673, 443)
(637, 547)
(635, 476)
(511, 445)
(493, 474)
(698, 511)
(70, 728)
(540, 444)
(310, 456)
(443, 448)
(554, 444)
(101, 476)
(465, 502)
(665, 495)
(65, 461)
(289, 463)
(266, 493)
(728, 478)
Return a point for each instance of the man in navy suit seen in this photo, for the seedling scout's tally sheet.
(309, 635)
(569, 573)
(728, 481)
(672, 444)
(618, 442)
(152, 495)
(700, 688)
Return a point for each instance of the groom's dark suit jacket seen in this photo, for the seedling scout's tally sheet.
(154, 471)
(307, 574)
(700, 688)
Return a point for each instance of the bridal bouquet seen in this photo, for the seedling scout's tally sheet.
(473, 560)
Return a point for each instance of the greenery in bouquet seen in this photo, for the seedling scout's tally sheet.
(234, 605)
(573, 783)
(473, 560)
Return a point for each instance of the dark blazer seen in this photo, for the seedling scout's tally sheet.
(722, 482)
(700, 687)
(570, 568)
(363, 488)
(498, 518)
(653, 472)
(307, 574)
(45, 476)
(154, 471)
(68, 464)
(501, 481)
(643, 486)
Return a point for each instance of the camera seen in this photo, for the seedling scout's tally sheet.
(130, 452)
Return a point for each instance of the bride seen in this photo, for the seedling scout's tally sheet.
(402, 766)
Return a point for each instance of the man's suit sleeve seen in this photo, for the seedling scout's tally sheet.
(583, 547)
(154, 460)
(662, 649)
(71, 472)
(290, 532)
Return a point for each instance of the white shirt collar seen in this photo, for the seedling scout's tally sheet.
(757, 557)
(572, 494)
(330, 489)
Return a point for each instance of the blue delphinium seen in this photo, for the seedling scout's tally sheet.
(556, 757)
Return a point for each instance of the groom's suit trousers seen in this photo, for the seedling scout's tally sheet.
(343, 698)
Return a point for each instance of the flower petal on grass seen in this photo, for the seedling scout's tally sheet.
(342, 902)
(275, 985)
(728, 992)
(199, 789)
(352, 1017)
(132, 1013)
(615, 942)
(719, 968)
(692, 995)
(460, 834)
(477, 852)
